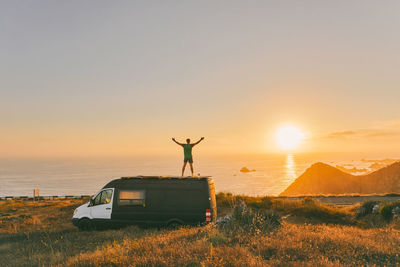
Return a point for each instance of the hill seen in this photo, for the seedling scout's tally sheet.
(322, 178)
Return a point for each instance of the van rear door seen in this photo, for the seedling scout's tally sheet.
(101, 204)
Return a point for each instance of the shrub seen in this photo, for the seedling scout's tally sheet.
(312, 209)
(307, 201)
(225, 199)
(388, 210)
(266, 202)
(392, 195)
(244, 219)
(368, 207)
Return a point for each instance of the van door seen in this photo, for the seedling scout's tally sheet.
(101, 205)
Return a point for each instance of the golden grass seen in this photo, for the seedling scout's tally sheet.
(41, 234)
(293, 245)
(29, 216)
(306, 210)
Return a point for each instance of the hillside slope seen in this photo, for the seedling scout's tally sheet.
(321, 178)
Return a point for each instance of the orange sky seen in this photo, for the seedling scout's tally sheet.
(122, 79)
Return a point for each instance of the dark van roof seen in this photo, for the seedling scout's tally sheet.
(144, 179)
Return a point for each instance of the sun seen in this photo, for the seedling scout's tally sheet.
(289, 137)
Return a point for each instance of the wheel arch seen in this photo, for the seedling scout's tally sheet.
(174, 220)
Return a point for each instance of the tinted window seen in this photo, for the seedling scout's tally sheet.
(193, 199)
(132, 198)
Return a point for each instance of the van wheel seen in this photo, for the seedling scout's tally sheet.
(85, 224)
(174, 225)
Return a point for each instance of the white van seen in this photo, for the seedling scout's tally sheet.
(150, 200)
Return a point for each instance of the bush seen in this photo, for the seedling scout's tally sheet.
(266, 202)
(368, 207)
(388, 210)
(244, 219)
(312, 209)
(225, 199)
(309, 201)
(392, 195)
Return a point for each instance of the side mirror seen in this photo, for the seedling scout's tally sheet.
(91, 202)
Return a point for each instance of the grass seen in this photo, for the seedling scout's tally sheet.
(311, 234)
(244, 220)
(306, 210)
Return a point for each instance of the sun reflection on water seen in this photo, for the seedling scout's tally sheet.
(290, 167)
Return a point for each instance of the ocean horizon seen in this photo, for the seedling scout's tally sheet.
(273, 173)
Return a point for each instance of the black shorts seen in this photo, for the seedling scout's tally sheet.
(190, 160)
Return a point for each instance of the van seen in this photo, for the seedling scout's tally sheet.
(150, 200)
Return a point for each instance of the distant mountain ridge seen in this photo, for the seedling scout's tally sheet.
(322, 178)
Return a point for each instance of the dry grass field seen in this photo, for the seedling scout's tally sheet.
(311, 234)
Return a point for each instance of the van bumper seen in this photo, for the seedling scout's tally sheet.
(75, 221)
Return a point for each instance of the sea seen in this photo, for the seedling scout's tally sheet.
(269, 175)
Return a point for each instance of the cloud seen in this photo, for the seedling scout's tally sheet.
(363, 133)
(341, 134)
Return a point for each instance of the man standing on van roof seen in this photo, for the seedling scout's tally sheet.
(187, 151)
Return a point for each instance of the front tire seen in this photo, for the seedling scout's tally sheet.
(85, 224)
(174, 225)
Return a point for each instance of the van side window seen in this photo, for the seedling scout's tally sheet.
(104, 197)
(132, 198)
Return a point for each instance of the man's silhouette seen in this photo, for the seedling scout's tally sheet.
(187, 151)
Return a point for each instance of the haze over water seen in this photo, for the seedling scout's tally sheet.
(18, 177)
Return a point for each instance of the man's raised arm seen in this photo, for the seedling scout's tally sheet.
(173, 139)
(201, 139)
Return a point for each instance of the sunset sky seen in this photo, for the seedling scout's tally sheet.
(87, 78)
